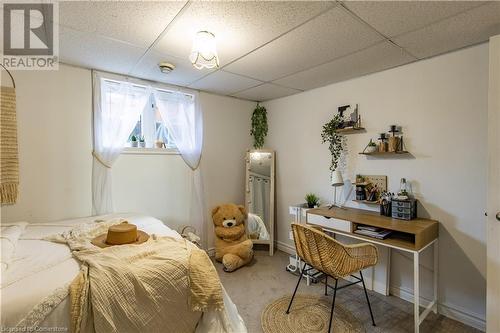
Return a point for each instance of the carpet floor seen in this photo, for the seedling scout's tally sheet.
(253, 287)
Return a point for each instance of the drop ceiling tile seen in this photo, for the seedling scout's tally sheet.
(329, 36)
(376, 58)
(472, 27)
(397, 17)
(266, 92)
(93, 51)
(239, 26)
(183, 74)
(136, 22)
(224, 83)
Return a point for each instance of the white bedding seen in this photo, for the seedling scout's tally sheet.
(40, 268)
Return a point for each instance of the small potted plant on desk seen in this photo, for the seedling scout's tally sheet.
(133, 141)
(312, 200)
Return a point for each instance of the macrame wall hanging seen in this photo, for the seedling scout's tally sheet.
(9, 160)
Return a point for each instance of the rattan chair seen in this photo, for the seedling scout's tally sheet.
(334, 259)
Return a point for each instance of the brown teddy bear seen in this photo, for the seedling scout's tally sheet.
(232, 247)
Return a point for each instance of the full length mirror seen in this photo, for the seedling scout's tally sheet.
(260, 196)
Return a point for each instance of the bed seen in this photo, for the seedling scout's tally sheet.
(41, 271)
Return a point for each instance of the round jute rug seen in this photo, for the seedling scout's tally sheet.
(307, 314)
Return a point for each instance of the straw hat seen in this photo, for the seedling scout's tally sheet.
(120, 234)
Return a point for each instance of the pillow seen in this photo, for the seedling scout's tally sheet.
(9, 234)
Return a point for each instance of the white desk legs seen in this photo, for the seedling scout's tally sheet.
(416, 296)
(419, 318)
(435, 272)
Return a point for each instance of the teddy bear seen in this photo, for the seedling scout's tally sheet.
(232, 247)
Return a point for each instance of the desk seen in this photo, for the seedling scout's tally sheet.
(413, 236)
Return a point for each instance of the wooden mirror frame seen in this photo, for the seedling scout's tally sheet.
(272, 212)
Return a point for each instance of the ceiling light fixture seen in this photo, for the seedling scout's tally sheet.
(204, 52)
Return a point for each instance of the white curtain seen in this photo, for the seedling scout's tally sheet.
(117, 106)
(182, 116)
(260, 188)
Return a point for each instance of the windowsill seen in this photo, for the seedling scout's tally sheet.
(150, 151)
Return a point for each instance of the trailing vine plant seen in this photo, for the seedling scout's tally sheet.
(259, 126)
(335, 140)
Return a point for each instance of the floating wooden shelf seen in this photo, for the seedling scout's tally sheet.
(350, 130)
(387, 153)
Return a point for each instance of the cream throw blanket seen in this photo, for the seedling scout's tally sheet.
(162, 285)
(9, 163)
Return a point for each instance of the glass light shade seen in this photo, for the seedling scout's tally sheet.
(204, 51)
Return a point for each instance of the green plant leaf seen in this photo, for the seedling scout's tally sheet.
(336, 141)
(259, 126)
(312, 199)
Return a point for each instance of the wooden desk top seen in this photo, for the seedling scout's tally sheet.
(424, 230)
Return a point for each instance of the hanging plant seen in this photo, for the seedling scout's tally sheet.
(259, 126)
(336, 141)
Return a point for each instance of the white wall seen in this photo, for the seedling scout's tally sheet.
(227, 138)
(442, 105)
(157, 185)
(54, 136)
(55, 144)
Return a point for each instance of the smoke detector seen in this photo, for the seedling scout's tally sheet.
(166, 67)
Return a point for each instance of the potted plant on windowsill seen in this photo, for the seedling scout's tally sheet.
(312, 200)
(142, 142)
(133, 141)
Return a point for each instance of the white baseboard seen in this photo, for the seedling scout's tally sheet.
(211, 252)
(451, 311)
(287, 248)
(462, 315)
(407, 295)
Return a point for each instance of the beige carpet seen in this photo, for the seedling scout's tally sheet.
(253, 287)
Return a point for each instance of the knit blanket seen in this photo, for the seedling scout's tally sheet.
(9, 162)
(162, 285)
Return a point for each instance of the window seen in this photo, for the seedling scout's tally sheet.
(150, 130)
(135, 114)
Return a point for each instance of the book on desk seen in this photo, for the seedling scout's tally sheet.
(371, 231)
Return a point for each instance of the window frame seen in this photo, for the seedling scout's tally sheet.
(111, 77)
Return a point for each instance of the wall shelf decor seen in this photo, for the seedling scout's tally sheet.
(369, 188)
(385, 153)
(388, 145)
(351, 130)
